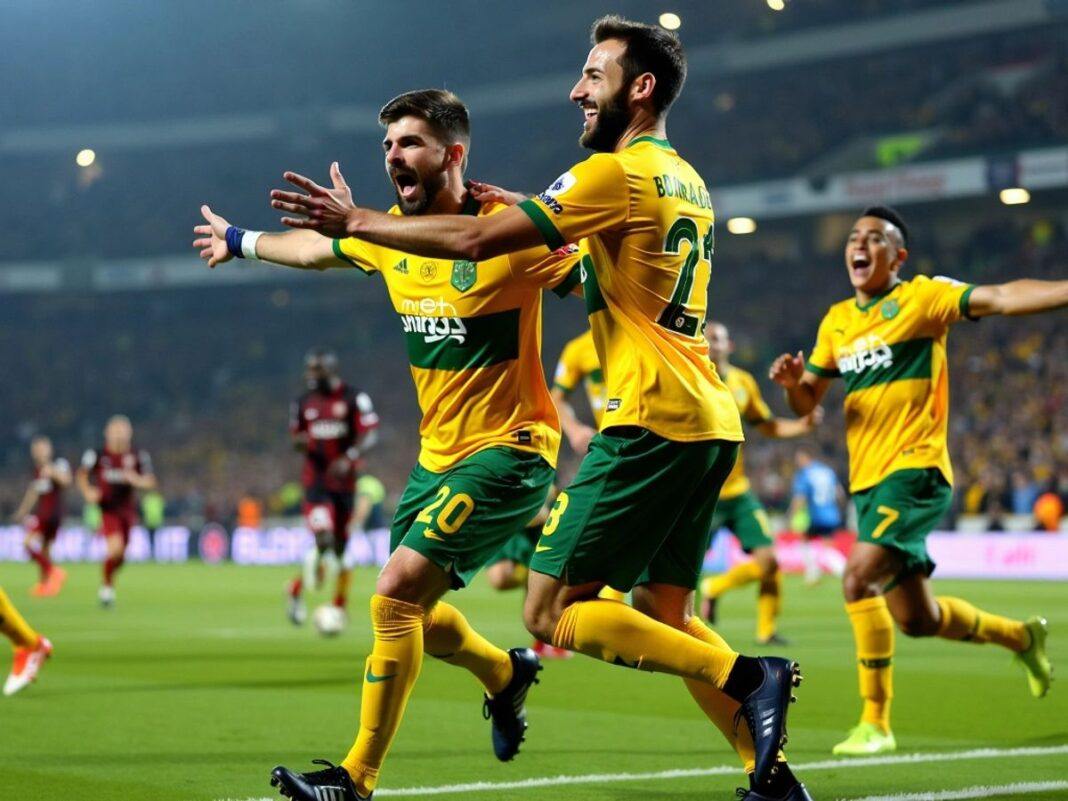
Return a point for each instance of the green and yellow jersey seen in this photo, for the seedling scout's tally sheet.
(473, 332)
(643, 221)
(891, 353)
(754, 410)
(578, 364)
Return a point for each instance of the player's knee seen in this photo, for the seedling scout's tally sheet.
(918, 625)
(540, 618)
(856, 586)
(502, 576)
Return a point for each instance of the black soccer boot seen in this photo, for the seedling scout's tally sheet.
(506, 708)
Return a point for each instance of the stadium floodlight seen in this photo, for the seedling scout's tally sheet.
(85, 158)
(776, 5)
(1015, 196)
(670, 21)
(741, 225)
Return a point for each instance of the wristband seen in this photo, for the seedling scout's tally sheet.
(242, 243)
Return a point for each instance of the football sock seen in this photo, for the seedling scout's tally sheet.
(873, 632)
(621, 635)
(737, 576)
(449, 637)
(341, 596)
(769, 602)
(391, 671)
(42, 559)
(111, 566)
(295, 587)
(962, 621)
(717, 705)
(608, 594)
(13, 626)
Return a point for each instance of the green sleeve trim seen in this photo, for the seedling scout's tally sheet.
(552, 237)
(574, 278)
(965, 303)
(563, 387)
(347, 258)
(822, 372)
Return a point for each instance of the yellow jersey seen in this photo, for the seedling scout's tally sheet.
(643, 220)
(473, 334)
(891, 353)
(578, 364)
(754, 410)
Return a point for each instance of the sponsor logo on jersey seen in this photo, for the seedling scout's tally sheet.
(401, 267)
(551, 202)
(428, 271)
(464, 275)
(328, 429)
(869, 352)
(436, 320)
(889, 309)
(115, 475)
(613, 404)
(561, 185)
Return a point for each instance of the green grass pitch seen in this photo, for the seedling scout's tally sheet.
(196, 685)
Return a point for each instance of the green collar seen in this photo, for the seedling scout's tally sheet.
(876, 298)
(664, 143)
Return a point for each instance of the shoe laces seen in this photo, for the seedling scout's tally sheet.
(316, 776)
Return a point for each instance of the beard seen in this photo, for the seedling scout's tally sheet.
(612, 120)
(430, 186)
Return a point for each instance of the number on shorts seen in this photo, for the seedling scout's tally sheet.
(890, 516)
(554, 515)
(454, 514)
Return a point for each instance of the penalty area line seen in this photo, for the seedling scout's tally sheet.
(723, 770)
(1021, 788)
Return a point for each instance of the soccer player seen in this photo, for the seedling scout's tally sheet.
(332, 424)
(44, 497)
(110, 478)
(490, 432)
(638, 513)
(31, 649)
(818, 492)
(578, 364)
(888, 344)
(739, 510)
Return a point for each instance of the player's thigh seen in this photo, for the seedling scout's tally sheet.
(679, 559)
(470, 511)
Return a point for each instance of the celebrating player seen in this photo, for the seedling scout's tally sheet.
(739, 510)
(490, 432)
(110, 478)
(332, 424)
(818, 492)
(888, 344)
(638, 513)
(44, 497)
(30, 648)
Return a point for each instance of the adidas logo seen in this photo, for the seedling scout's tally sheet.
(401, 267)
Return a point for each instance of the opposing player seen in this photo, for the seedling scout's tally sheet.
(110, 478)
(888, 344)
(739, 510)
(41, 512)
(30, 648)
(638, 513)
(333, 425)
(490, 432)
(819, 494)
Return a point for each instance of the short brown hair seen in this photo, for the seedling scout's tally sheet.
(650, 48)
(443, 111)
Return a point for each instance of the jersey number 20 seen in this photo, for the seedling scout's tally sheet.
(674, 317)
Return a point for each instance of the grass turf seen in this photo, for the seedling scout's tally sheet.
(195, 685)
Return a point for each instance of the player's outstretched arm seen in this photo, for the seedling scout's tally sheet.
(804, 389)
(333, 213)
(1026, 296)
(784, 428)
(304, 250)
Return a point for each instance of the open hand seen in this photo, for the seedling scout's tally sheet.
(488, 193)
(321, 209)
(212, 242)
(787, 370)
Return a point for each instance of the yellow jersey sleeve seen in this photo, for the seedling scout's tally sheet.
(822, 361)
(946, 299)
(559, 271)
(587, 199)
(356, 253)
(569, 373)
(756, 410)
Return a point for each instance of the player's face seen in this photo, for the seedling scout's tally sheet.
(719, 341)
(317, 376)
(602, 96)
(873, 254)
(41, 451)
(118, 435)
(417, 163)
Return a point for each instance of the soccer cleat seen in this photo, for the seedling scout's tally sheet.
(774, 639)
(796, 793)
(330, 784)
(1034, 659)
(296, 611)
(57, 577)
(39, 590)
(708, 609)
(866, 739)
(28, 662)
(765, 710)
(106, 596)
(506, 708)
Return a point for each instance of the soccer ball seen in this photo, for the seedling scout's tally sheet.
(329, 620)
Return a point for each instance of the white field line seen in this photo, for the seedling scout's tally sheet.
(721, 770)
(1022, 788)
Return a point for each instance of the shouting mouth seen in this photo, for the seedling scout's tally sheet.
(590, 116)
(861, 265)
(407, 185)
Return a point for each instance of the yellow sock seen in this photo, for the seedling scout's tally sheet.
(392, 669)
(449, 637)
(344, 581)
(719, 707)
(962, 621)
(608, 594)
(14, 627)
(769, 602)
(873, 631)
(617, 633)
(737, 576)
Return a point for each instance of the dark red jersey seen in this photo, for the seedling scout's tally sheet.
(333, 422)
(49, 504)
(108, 471)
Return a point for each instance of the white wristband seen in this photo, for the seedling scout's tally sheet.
(248, 244)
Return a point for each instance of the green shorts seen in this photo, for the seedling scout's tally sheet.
(518, 548)
(639, 511)
(744, 516)
(900, 511)
(461, 518)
